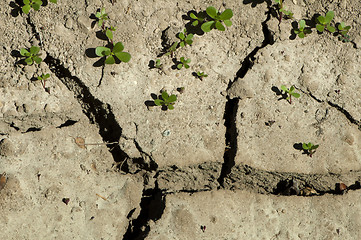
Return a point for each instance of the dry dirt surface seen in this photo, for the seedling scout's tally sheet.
(90, 156)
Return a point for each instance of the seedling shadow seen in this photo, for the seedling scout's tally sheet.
(16, 54)
(94, 18)
(175, 62)
(101, 35)
(256, 2)
(151, 103)
(90, 52)
(298, 146)
(16, 7)
(151, 64)
(196, 30)
(279, 93)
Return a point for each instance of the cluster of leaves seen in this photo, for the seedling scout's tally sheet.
(113, 53)
(183, 63)
(201, 75)
(309, 148)
(290, 92)
(166, 101)
(213, 19)
(43, 78)
(31, 55)
(33, 4)
(324, 23)
(184, 40)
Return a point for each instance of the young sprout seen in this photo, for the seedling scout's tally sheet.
(158, 64)
(109, 33)
(282, 10)
(31, 55)
(184, 62)
(166, 100)
(172, 49)
(199, 18)
(28, 4)
(290, 93)
(217, 19)
(201, 75)
(102, 17)
(43, 79)
(302, 30)
(112, 54)
(309, 148)
(185, 39)
(343, 30)
(325, 22)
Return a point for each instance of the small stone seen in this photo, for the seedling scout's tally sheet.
(7, 148)
(166, 133)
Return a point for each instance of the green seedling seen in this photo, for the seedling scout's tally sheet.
(290, 93)
(43, 79)
(111, 54)
(282, 10)
(184, 63)
(158, 64)
(302, 30)
(185, 39)
(343, 30)
(309, 148)
(324, 22)
(217, 19)
(102, 17)
(166, 100)
(109, 33)
(201, 75)
(34, 4)
(172, 49)
(198, 19)
(31, 55)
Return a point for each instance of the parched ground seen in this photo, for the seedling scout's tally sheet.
(226, 163)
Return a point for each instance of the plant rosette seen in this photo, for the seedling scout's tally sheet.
(166, 100)
(112, 54)
(217, 19)
(31, 55)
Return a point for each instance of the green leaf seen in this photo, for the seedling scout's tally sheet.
(195, 23)
(123, 56)
(180, 65)
(165, 96)
(329, 16)
(304, 146)
(118, 47)
(170, 106)
(296, 95)
(341, 26)
(36, 6)
(320, 28)
(37, 59)
(228, 23)
(192, 15)
(181, 36)
(189, 36)
(283, 87)
(315, 146)
(109, 34)
(331, 29)
(186, 66)
(207, 26)
(220, 26)
(301, 34)
(46, 75)
(40, 78)
(110, 60)
(34, 50)
(172, 98)
(102, 51)
(181, 44)
(53, 1)
(24, 52)
(182, 59)
(302, 23)
(102, 11)
(26, 2)
(158, 102)
(212, 12)
(227, 14)
(26, 9)
(188, 60)
(321, 20)
(292, 88)
(29, 61)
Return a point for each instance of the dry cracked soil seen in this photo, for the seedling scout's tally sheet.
(88, 155)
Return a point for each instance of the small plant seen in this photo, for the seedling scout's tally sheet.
(217, 19)
(172, 49)
(34, 4)
(302, 30)
(309, 148)
(290, 93)
(111, 54)
(109, 33)
(31, 55)
(43, 79)
(166, 100)
(282, 10)
(102, 17)
(185, 39)
(201, 75)
(198, 19)
(184, 62)
(158, 64)
(343, 30)
(324, 22)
